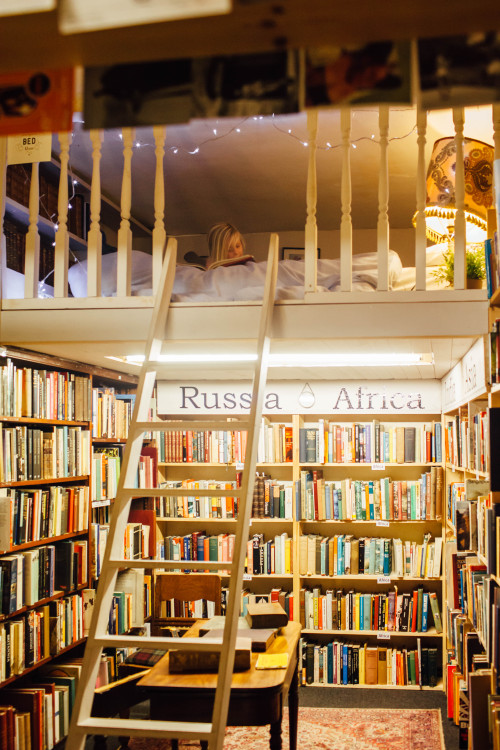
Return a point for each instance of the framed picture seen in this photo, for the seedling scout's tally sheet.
(294, 253)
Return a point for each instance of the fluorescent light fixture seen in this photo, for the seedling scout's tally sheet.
(300, 359)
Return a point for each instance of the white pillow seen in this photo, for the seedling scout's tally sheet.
(141, 274)
(434, 254)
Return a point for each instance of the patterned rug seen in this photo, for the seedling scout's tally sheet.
(337, 729)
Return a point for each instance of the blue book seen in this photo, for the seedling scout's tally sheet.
(371, 501)
(425, 611)
(487, 263)
(329, 653)
(345, 675)
(328, 501)
(387, 561)
(437, 430)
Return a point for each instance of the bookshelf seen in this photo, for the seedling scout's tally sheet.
(47, 436)
(343, 469)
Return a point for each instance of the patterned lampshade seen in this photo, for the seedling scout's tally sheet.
(440, 205)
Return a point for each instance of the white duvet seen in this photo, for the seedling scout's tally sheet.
(238, 283)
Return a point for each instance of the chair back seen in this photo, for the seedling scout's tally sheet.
(186, 587)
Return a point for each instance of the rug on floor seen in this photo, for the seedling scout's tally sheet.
(336, 729)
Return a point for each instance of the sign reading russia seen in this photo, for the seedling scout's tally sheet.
(299, 397)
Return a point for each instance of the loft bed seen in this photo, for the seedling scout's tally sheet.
(374, 294)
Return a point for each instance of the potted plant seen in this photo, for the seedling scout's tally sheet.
(474, 266)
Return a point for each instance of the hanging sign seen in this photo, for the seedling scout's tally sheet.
(36, 101)
(365, 397)
(27, 149)
(467, 379)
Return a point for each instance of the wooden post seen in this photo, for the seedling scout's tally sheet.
(460, 271)
(61, 254)
(383, 202)
(311, 231)
(420, 238)
(32, 254)
(159, 233)
(94, 236)
(124, 257)
(346, 198)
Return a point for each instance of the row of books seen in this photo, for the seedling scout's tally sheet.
(466, 441)
(35, 574)
(35, 514)
(275, 443)
(318, 499)
(202, 446)
(272, 499)
(111, 413)
(199, 608)
(106, 464)
(128, 605)
(344, 554)
(28, 453)
(369, 443)
(197, 546)
(409, 612)
(43, 394)
(269, 557)
(192, 506)
(338, 663)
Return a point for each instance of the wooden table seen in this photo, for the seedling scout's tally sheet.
(257, 695)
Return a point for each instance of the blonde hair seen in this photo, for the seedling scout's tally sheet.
(220, 238)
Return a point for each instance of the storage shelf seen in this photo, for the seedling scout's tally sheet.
(35, 420)
(211, 519)
(366, 577)
(372, 465)
(47, 660)
(431, 633)
(380, 522)
(111, 441)
(43, 602)
(439, 686)
(54, 480)
(42, 542)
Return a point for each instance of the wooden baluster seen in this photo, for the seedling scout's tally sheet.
(346, 197)
(383, 202)
(3, 176)
(32, 254)
(159, 233)
(94, 236)
(496, 163)
(124, 258)
(61, 254)
(311, 230)
(459, 274)
(420, 237)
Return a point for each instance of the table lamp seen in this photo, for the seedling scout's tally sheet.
(440, 205)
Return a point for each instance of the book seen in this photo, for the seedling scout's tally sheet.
(266, 615)
(272, 661)
(208, 661)
(260, 639)
(240, 260)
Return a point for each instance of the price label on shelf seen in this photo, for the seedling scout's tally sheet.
(247, 576)
(383, 636)
(382, 523)
(383, 579)
(378, 467)
(240, 466)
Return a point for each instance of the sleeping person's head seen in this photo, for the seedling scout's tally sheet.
(224, 241)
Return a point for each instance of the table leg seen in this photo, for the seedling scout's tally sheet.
(275, 735)
(293, 709)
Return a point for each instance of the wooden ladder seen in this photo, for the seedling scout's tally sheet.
(82, 721)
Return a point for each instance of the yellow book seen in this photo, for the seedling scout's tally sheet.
(272, 661)
(288, 555)
(362, 662)
(357, 625)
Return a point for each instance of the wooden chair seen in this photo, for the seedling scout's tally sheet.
(119, 697)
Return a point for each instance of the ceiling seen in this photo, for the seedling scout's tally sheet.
(252, 172)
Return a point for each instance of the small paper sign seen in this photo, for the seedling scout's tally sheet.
(247, 576)
(27, 149)
(383, 636)
(382, 523)
(383, 579)
(239, 466)
(378, 467)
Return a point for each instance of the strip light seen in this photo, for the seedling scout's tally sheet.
(300, 359)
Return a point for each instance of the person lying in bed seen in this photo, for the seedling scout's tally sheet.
(225, 243)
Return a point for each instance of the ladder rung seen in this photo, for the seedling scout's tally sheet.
(180, 492)
(212, 424)
(167, 564)
(159, 642)
(147, 728)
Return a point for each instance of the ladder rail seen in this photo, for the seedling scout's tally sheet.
(82, 708)
(223, 689)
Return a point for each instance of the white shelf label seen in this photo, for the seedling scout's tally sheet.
(239, 466)
(378, 467)
(383, 579)
(247, 576)
(382, 523)
(383, 636)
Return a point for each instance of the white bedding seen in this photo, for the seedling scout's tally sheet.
(244, 282)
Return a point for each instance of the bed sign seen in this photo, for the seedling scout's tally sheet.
(467, 379)
(27, 149)
(368, 398)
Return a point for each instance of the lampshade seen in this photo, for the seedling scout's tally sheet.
(440, 205)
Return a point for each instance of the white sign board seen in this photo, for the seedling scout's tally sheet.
(15, 7)
(467, 380)
(298, 397)
(29, 148)
(76, 16)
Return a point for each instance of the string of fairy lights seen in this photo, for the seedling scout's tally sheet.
(218, 133)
